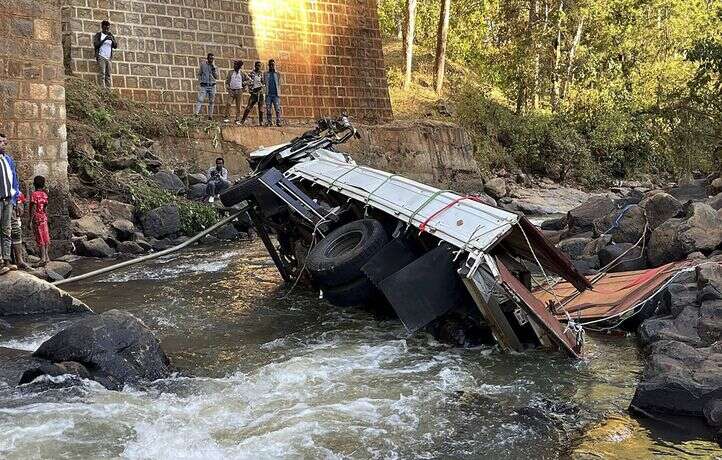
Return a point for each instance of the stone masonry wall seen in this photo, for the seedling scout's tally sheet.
(32, 101)
(329, 51)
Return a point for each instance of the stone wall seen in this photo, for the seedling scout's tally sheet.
(329, 51)
(32, 101)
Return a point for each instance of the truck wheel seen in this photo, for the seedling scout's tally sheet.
(337, 259)
(355, 293)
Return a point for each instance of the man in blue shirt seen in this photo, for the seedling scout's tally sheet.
(9, 190)
(272, 81)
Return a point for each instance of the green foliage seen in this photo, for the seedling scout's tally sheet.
(195, 217)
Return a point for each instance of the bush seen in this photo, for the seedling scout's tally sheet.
(195, 217)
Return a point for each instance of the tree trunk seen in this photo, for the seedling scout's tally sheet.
(569, 78)
(410, 28)
(441, 38)
(556, 86)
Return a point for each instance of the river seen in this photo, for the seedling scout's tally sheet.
(269, 373)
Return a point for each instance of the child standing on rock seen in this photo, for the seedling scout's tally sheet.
(39, 218)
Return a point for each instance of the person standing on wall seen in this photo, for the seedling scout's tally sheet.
(104, 43)
(255, 88)
(272, 81)
(235, 81)
(9, 190)
(207, 76)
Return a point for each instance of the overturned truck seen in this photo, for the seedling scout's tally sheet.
(364, 235)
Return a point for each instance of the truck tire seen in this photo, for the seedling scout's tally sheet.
(337, 259)
(355, 293)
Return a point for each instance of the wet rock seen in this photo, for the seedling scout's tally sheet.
(160, 245)
(13, 363)
(679, 296)
(710, 321)
(660, 207)
(716, 202)
(625, 225)
(495, 188)
(227, 233)
(574, 247)
(664, 246)
(169, 181)
(713, 413)
(94, 248)
(124, 229)
(197, 192)
(702, 229)
(61, 268)
(91, 226)
(581, 219)
(130, 247)
(198, 178)
(25, 294)
(716, 185)
(115, 347)
(633, 260)
(162, 221)
(558, 223)
(112, 210)
(54, 370)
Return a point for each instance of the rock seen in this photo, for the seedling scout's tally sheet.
(25, 294)
(94, 248)
(696, 256)
(558, 223)
(90, 226)
(574, 247)
(130, 247)
(683, 328)
(634, 260)
(113, 210)
(677, 297)
(195, 179)
(702, 229)
(710, 321)
(74, 210)
(587, 265)
(227, 233)
(713, 413)
(716, 185)
(197, 192)
(62, 268)
(553, 236)
(660, 207)
(716, 202)
(625, 225)
(709, 274)
(124, 229)
(115, 347)
(160, 245)
(694, 190)
(116, 164)
(486, 199)
(581, 219)
(664, 247)
(169, 181)
(13, 363)
(162, 221)
(55, 370)
(496, 188)
(596, 245)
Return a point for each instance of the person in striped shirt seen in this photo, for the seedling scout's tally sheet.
(9, 190)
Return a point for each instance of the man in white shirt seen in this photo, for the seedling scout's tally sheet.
(104, 43)
(235, 81)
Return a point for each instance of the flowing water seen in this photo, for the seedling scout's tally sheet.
(268, 374)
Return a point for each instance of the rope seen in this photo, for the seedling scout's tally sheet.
(155, 255)
(425, 203)
(368, 198)
(456, 201)
(333, 182)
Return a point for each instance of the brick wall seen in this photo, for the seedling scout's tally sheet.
(32, 100)
(329, 51)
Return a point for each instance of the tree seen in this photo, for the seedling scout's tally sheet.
(410, 30)
(441, 41)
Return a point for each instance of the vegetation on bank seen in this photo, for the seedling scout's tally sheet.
(109, 150)
(575, 90)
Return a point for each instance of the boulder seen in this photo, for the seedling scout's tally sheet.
(130, 247)
(713, 413)
(716, 185)
(25, 294)
(709, 274)
(124, 229)
(581, 219)
(61, 268)
(716, 202)
(596, 245)
(677, 297)
(633, 260)
(13, 363)
(496, 188)
(486, 199)
(162, 221)
(702, 229)
(112, 210)
(683, 328)
(91, 226)
(195, 179)
(587, 265)
(625, 225)
(115, 347)
(227, 233)
(74, 210)
(664, 247)
(116, 164)
(197, 192)
(692, 190)
(169, 181)
(710, 321)
(160, 245)
(558, 223)
(574, 247)
(94, 248)
(659, 208)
